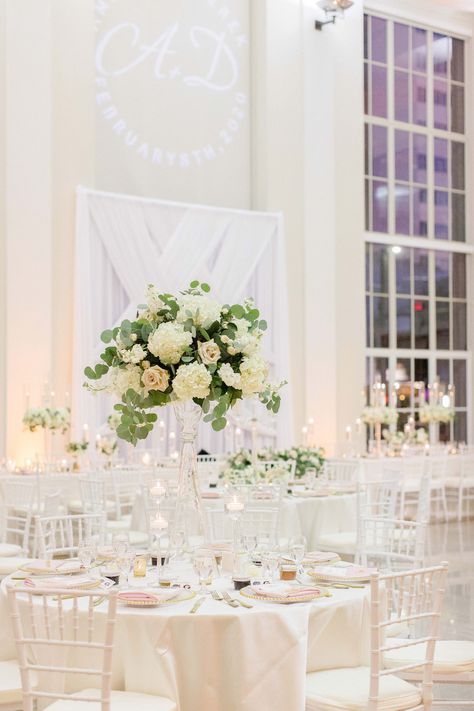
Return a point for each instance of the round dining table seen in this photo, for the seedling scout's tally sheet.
(226, 658)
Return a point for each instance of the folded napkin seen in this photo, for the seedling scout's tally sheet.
(284, 591)
(41, 567)
(143, 596)
(62, 581)
(320, 557)
(343, 570)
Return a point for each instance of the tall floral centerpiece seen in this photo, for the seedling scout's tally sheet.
(439, 408)
(192, 352)
(51, 420)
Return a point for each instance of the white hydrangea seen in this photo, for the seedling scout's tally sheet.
(229, 376)
(192, 380)
(135, 355)
(122, 379)
(254, 372)
(204, 310)
(169, 342)
(153, 300)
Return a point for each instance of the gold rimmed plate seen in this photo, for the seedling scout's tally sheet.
(152, 599)
(290, 599)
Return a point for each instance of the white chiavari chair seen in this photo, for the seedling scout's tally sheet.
(391, 544)
(65, 623)
(339, 471)
(412, 598)
(61, 536)
(19, 500)
(372, 498)
(460, 486)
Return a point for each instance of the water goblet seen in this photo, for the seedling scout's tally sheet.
(86, 554)
(203, 565)
(297, 550)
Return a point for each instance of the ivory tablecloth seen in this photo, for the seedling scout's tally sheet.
(226, 659)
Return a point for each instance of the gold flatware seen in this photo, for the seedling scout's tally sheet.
(228, 598)
(217, 595)
(197, 605)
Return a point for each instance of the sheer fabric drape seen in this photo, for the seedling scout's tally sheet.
(124, 243)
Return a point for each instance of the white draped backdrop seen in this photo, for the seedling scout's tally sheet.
(124, 243)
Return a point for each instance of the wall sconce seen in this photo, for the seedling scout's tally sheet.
(332, 10)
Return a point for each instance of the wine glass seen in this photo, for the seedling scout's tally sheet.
(273, 564)
(120, 544)
(124, 564)
(203, 565)
(86, 554)
(297, 550)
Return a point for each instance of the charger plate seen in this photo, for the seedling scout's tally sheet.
(248, 592)
(68, 567)
(335, 576)
(185, 595)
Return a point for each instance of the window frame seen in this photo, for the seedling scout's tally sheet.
(445, 25)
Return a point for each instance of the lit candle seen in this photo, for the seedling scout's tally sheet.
(304, 432)
(238, 438)
(51, 398)
(146, 459)
(348, 433)
(85, 433)
(411, 424)
(311, 432)
(358, 425)
(452, 395)
(159, 523)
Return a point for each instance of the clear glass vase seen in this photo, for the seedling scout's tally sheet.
(189, 520)
(434, 433)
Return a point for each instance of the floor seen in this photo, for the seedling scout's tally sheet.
(454, 542)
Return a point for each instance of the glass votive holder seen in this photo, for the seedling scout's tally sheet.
(288, 572)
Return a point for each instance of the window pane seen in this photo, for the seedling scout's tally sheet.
(459, 276)
(457, 165)
(460, 427)
(419, 49)
(403, 377)
(401, 46)
(419, 100)
(404, 323)
(402, 98)
(367, 205)
(381, 369)
(440, 98)
(457, 60)
(457, 109)
(459, 326)
(441, 214)
(380, 321)
(402, 267)
(379, 91)
(458, 217)
(368, 335)
(402, 209)
(419, 158)
(379, 151)
(442, 325)
(379, 39)
(379, 206)
(380, 266)
(366, 89)
(442, 273)
(441, 54)
(421, 370)
(460, 383)
(421, 272)
(420, 213)
(366, 36)
(442, 371)
(421, 308)
(402, 155)
(441, 162)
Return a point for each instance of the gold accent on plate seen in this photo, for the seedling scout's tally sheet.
(157, 603)
(286, 600)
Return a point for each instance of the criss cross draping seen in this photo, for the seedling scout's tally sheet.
(124, 243)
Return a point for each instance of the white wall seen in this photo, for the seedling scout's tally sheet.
(298, 148)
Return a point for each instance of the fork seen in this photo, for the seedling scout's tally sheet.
(228, 598)
(197, 604)
(220, 598)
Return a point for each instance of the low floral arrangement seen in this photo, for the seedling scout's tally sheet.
(47, 418)
(77, 447)
(106, 445)
(379, 415)
(247, 475)
(181, 348)
(418, 436)
(436, 414)
(241, 463)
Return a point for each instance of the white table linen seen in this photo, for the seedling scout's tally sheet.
(233, 659)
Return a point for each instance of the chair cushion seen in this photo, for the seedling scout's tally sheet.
(348, 689)
(120, 701)
(451, 656)
(7, 550)
(8, 565)
(340, 542)
(76, 506)
(10, 683)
